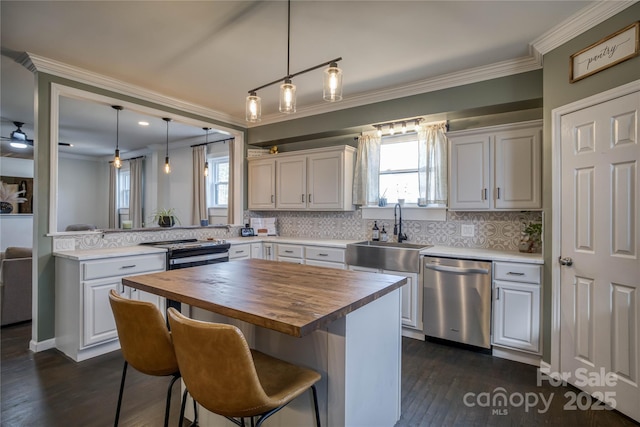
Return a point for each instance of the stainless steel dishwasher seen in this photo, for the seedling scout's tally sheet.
(457, 300)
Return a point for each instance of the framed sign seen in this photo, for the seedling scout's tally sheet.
(611, 50)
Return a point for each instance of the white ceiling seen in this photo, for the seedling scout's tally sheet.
(210, 53)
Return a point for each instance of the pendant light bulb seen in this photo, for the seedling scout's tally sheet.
(253, 108)
(167, 168)
(287, 97)
(332, 86)
(392, 129)
(404, 127)
(417, 125)
(117, 163)
(206, 168)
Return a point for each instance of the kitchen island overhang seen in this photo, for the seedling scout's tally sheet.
(344, 324)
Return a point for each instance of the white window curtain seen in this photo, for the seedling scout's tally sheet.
(230, 192)
(199, 207)
(136, 167)
(432, 163)
(113, 188)
(365, 179)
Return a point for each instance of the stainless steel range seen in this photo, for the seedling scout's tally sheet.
(191, 253)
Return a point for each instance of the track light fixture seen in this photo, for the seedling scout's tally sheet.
(391, 126)
(117, 163)
(332, 84)
(167, 167)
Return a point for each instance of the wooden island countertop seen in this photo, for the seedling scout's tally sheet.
(290, 298)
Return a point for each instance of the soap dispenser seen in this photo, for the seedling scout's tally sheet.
(375, 235)
(383, 235)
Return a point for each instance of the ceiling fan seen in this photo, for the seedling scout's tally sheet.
(18, 138)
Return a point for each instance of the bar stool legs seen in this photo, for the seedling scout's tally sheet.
(167, 405)
(182, 409)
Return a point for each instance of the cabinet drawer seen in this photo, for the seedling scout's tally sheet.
(240, 251)
(328, 264)
(290, 251)
(516, 272)
(124, 266)
(324, 254)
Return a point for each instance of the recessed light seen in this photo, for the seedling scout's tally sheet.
(143, 123)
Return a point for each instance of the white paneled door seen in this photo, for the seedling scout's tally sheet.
(600, 273)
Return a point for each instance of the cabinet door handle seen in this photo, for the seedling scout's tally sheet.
(498, 191)
(288, 252)
(513, 273)
(323, 254)
(127, 266)
(240, 252)
(272, 197)
(484, 194)
(497, 293)
(309, 198)
(303, 198)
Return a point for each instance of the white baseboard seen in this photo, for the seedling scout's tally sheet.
(516, 356)
(38, 346)
(412, 333)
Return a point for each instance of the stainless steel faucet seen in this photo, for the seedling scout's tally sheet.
(397, 226)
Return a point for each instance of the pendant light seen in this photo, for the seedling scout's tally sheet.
(332, 86)
(253, 110)
(206, 163)
(167, 168)
(117, 163)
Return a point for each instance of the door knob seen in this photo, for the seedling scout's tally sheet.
(565, 261)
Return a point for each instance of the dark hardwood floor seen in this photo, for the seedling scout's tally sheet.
(48, 389)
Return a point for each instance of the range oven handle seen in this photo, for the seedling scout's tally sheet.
(448, 269)
(207, 257)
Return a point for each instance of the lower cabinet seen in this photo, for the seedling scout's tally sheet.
(240, 251)
(411, 297)
(324, 257)
(516, 306)
(290, 253)
(84, 324)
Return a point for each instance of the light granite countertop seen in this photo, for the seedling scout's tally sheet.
(444, 251)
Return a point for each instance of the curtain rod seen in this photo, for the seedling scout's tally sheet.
(213, 142)
(133, 158)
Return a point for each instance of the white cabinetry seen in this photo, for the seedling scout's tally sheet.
(290, 253)
(239, 251)
(516, 306)
(411, 297)
(498, 167)
(262, 183)
(318, 179)
(84, 322)
(257, 251)
(324, 257)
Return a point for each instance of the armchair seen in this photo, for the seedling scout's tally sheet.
(15, 285)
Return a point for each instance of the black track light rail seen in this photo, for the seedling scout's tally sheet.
(213, 142)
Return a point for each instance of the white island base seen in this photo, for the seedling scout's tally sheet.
(358, 356)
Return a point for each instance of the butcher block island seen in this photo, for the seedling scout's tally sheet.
(344, 324)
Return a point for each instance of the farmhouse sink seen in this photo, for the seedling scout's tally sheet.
(385, 255)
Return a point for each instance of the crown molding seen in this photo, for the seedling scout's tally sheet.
(444, 81)
(575, 25)
(36, 63)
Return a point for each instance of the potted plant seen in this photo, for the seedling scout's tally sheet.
(531, 239)
(8, 197)
(165, 217)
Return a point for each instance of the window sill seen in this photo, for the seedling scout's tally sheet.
(409, 212)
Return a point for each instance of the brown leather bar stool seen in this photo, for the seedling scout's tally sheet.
(227, 378)
(145, 342)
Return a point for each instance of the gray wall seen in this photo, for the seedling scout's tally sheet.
(558, 92)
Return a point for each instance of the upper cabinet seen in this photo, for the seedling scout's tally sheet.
(318, 179)
(498, 167)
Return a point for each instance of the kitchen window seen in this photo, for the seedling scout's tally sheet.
(124, 187)
(398, 178)
(218, 183)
